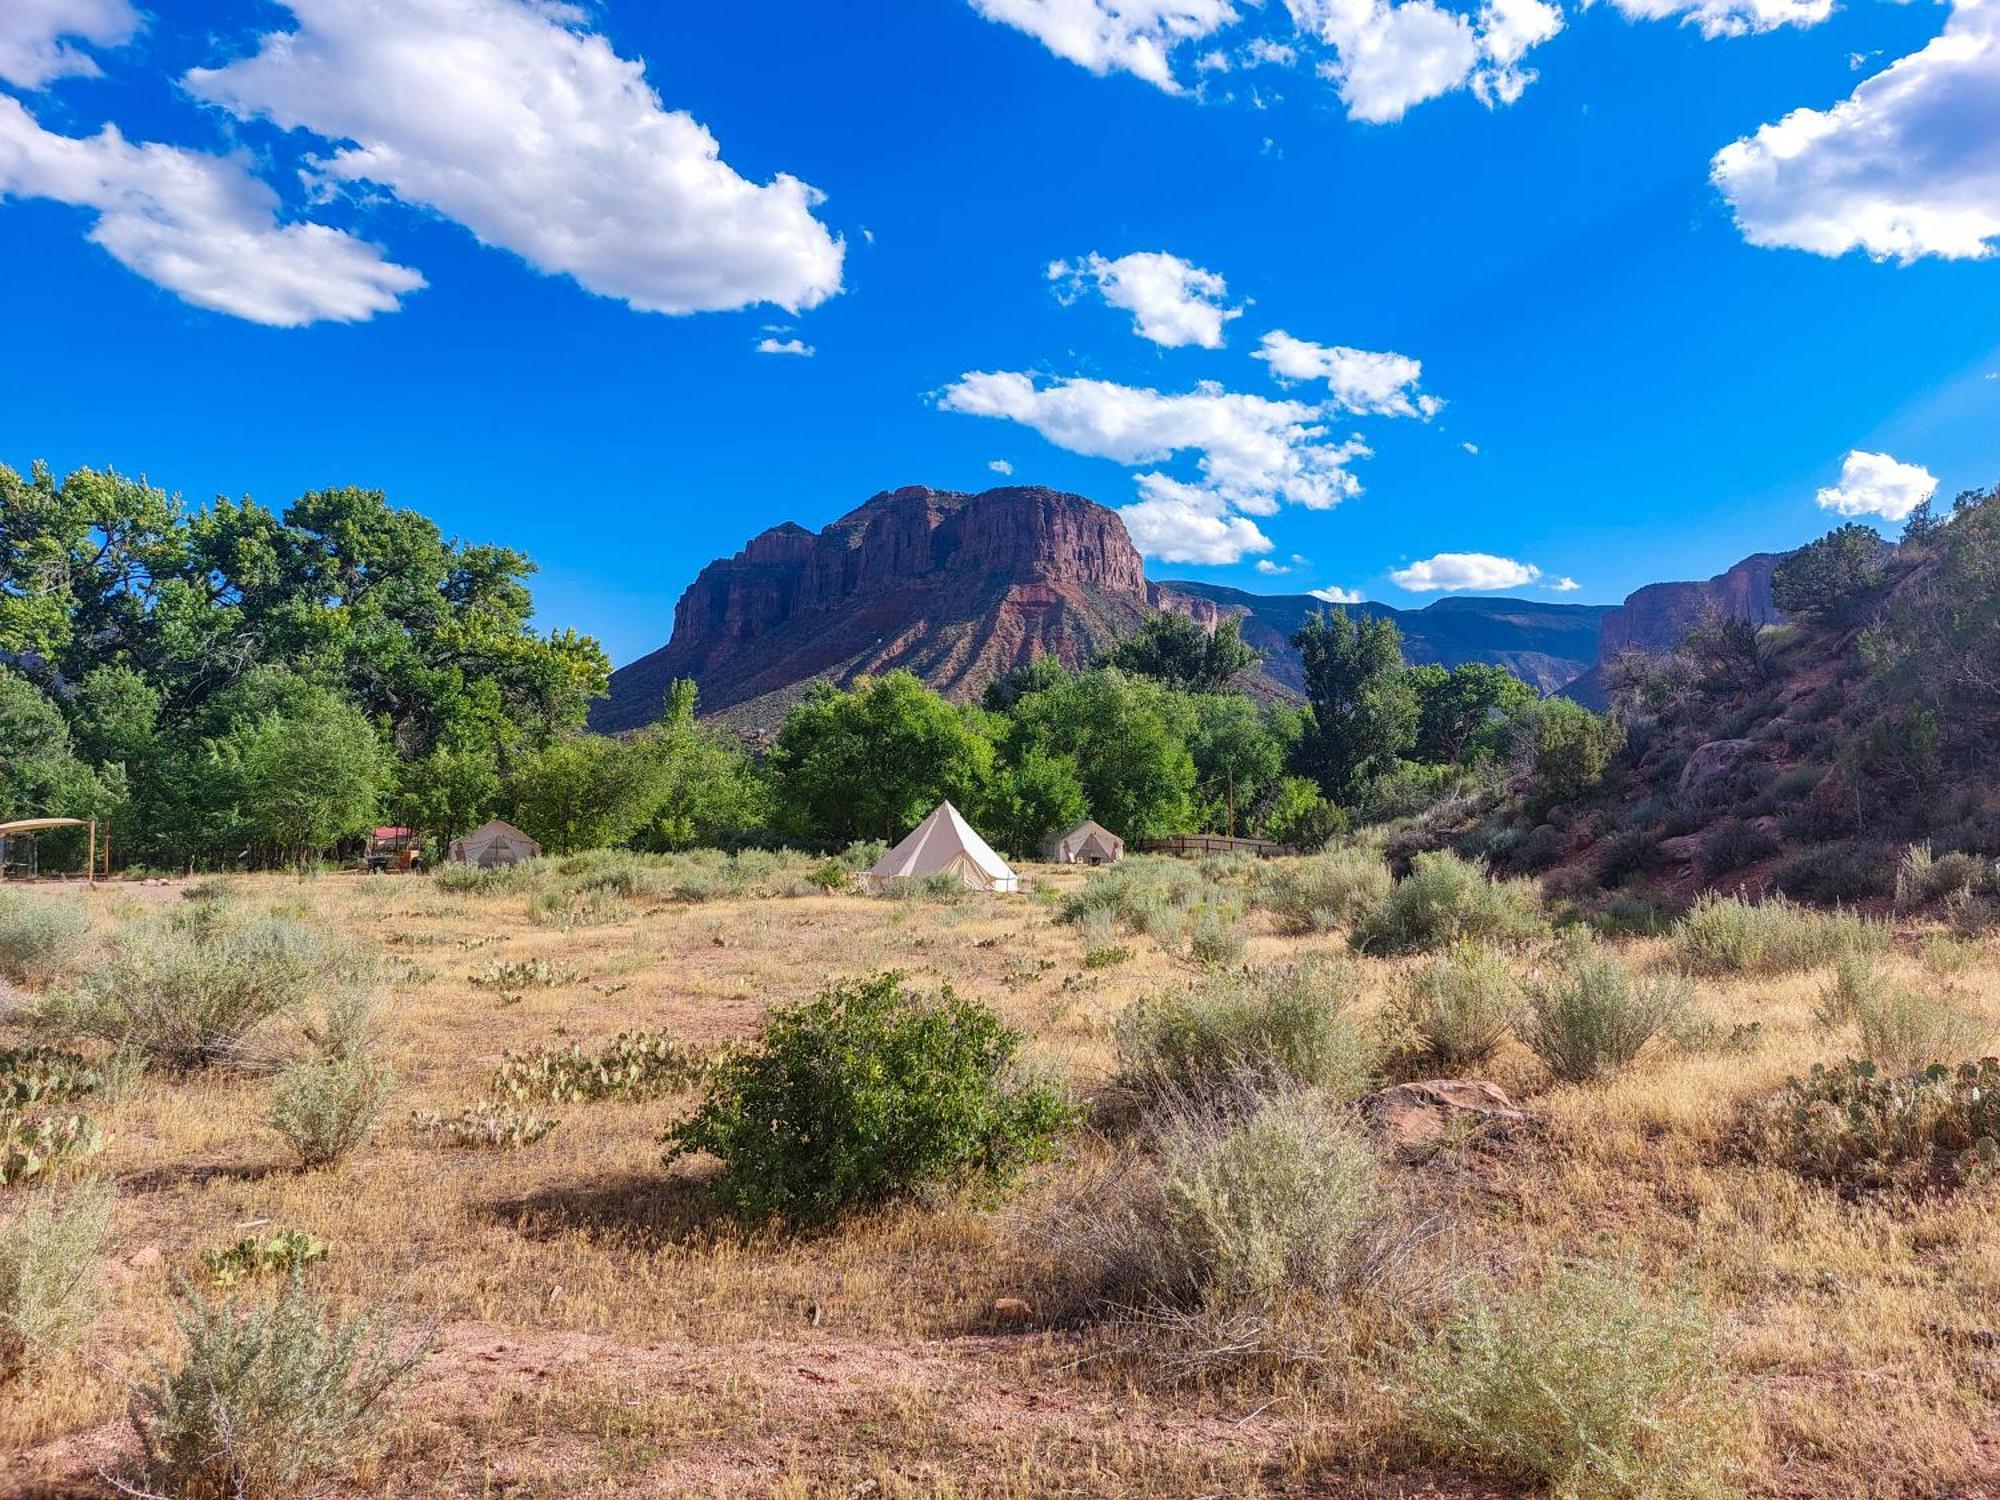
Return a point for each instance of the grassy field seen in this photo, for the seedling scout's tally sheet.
(602, 1330)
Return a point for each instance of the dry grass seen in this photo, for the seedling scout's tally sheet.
(603, 1332)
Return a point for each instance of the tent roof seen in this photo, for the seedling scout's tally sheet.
(1087, 828)
(39, 825)
(934, 843)
(496, 826)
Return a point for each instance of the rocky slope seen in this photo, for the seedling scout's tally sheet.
(1653, 618)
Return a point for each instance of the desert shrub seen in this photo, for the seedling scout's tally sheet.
(864, 1093)
(940, 889)
(1845, 871)
(44, 1076)
(268, 1399)
(1640, 911)
(484, 880)
(1324, 891)
(1856, 1126)
(1625, 855)
(1253, 1031)
(1733, 843)
(1456, 1011)
(324, 1108)
(1903, 1027)
(48, 1275)
(1727, 935)
(1857, 981)
(1922, 877)
(863, 854)
(1446, 900)
(1947, 953)
(1590, 1016)
(283, 1252)
(1101, 948)
(483, 1126)
(1587, 1383)
(1215, 934)
(634, 1067)
(515, 975)
(1136, 890)
(191, 989)
(43, 1145)
(39, 936)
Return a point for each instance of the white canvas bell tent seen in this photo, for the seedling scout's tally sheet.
(945, 844)
(1087, 844)
(496, 843)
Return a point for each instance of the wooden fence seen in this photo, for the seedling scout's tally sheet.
(1215, 843)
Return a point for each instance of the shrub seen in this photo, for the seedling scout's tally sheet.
(864, 1093)
(1922, 878)
(37, 1145)
(484, 1126)
(1446, 900)
(1329, 890)
(1215, 933)
(1848, 870)
(191, 989)
(1256, 1031)
(1903, 1027)
(1456, 1012)
(267, 1399)
(1733, 844)
(283, 1252)
(1101, 948)
(44, 1076)
(1857, 1127)
(1625, 855)
(1727, 935)
(634, 1067)
(39, 937)
(1135, 889)
(324, 1108)
(942, 888)
(48, 1276)
(1591, 1017)
(1587, 1383)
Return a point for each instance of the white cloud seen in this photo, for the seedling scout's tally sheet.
(1270, 569)
(1720, 18)
(1874, 484)
(1185, 523)
(1000, 466)
(1908, 165)
(200, 226)
(1357, 380)
(1451, 571)
(1253, 453)
(511, 118)
(34, 37)
(1173, 302)
(1564, 585)
(797, 347)
(1338, 596)
(1388, 57)
(1115, 36)
(1472, 448)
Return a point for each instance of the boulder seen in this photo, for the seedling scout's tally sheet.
(1712, 762)
(1414, 1120)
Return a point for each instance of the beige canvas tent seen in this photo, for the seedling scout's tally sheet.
(495, 843)
(1088, 844)
(945, 844)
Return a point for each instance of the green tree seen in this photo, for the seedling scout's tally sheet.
(587, 791)
(1182, 654)
(1299, 815)
(1573, 749)
(448, 791)
(1238, 757)
(1363, 709)
(40, 774)
(708, 792)
(297, 781)
(1467, 714)
(1833, 578)
(1033, 798)
(1128, 737)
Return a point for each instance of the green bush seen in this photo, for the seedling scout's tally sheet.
(1215, 934)
(1848, 870)
(1591, 1017)
(1855, 1126)
(325, 1107)
(1923, 878)
(1586, 1383)
(1903, 1027)
(1446, 900)
(1258, 1030)
(39, 936)
(48, 1275)
(1728, 935)
(1134, 890)
(864, 1093)
(1457, 1011)
(1733, 844)
(1325, 891)
(268, 1399)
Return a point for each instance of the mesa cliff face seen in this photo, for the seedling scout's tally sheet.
(1654, 618)
(958, 588)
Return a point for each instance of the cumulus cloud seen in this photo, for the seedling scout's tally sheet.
(1173, 302)
(1337, 596)
(1253, 453)
(1907, 166)
(200, 226)
(1720, 18)
(1115, 36)
(35, 37)
(1186, 523)
(1472, 448)
(798, 347)
(511, 118)
(1271, 569)
(1564, 585)
(1356, 380)
(1453, 571)
(1000, 466)
(1387, 57)
(1874, 484)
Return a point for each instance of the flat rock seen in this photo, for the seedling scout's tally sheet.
(1713, 761)
(1415, 1119)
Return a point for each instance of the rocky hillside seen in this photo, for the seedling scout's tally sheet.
(1653, 619)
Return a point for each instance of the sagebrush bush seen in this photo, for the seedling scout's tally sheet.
(1446, 900)
(1846, 870)
(1587, 1383)
(1728, 935)
(1859, 1127)
(1457, 1011)
(1733, 843)
(1591, 1016)
(40, 936)
(325, 1107)
(866, 1092)
(190, 990)
(48, 1275)
(1325, 891)
(1904, 1027)
(1256, 1030)
(1215, 934)
(268, 1400)
(1138, 891)
(1923, 877)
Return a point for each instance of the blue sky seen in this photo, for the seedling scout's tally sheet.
(466, 251)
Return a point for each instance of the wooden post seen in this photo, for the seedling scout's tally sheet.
(90, 868)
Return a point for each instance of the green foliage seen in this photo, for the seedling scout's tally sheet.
(1146, 893)
(1923, 877)
(1573, 749)
(1129, 740)
(1034, 798)
(326, 1107)
(1458, 1010)
(268, 1398)
(1324, 891)
(283, 1252)
(1469, 713)
(1586, 1382)
(48, 1276)
(1179, 653)
(1446, 900)
(1299, 816)
(1858, 1127)
(39, 936)
(1591, 1017)
(632, 1068)
(1259, 1030)
(42, 1145)
(584, 792)
(1832, 578)
(1847, 870)
(703, 786)
(1904, 1027)
(44, 1076)
(483, 1126)
(1363, 709)
(1728, 935)
(515, 974)
(1732, 844)
(1239, 757)
(864, 1093)
(1215, 932)
(41, 776)
(292, 782)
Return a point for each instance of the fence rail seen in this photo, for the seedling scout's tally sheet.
(1215, 843)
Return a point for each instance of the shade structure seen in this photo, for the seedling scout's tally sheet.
(1087, 844)
(945, 844)
(495, 843)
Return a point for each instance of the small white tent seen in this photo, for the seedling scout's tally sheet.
(945, 844)
(496, 843)
(1087, 844)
